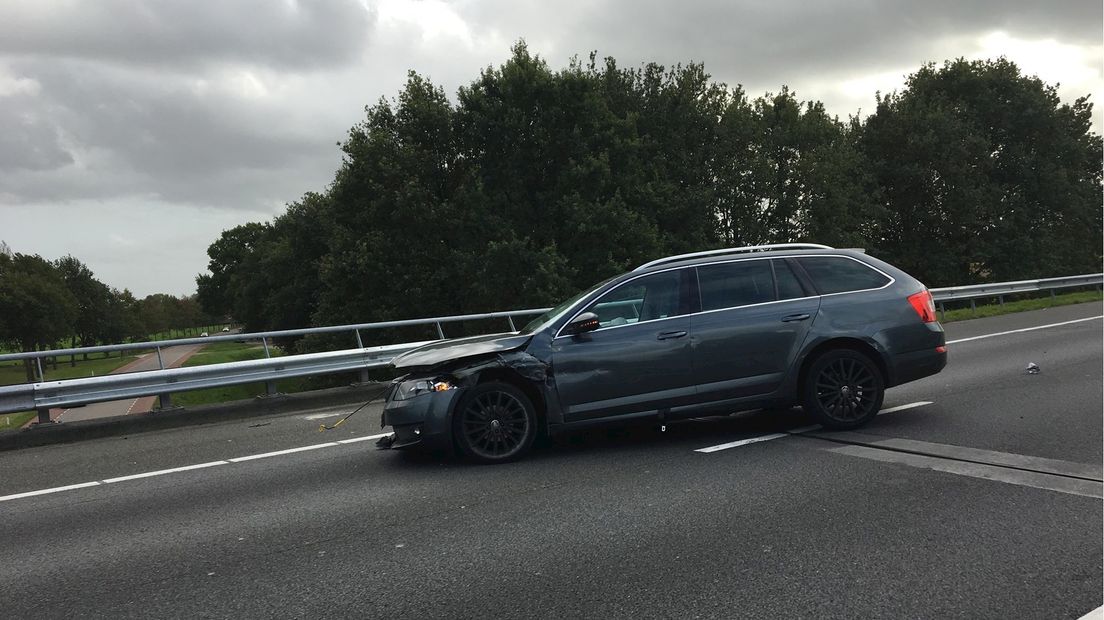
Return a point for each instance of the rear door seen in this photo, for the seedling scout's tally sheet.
(638, 360)
(755, 316)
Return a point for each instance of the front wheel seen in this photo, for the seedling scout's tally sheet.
(494, 423)
(843, 389)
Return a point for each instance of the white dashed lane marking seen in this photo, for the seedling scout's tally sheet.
(797, 431)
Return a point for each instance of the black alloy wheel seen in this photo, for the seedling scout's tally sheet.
(843, 389)
(494, 423)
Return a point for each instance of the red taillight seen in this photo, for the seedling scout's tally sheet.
(924, 305)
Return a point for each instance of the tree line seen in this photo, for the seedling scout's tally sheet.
(46, 303)
(537, 183)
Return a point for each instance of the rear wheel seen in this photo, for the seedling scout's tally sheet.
(494, 423)
(843, 389)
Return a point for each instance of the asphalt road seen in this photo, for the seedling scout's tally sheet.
(982, 503)
(171, 357)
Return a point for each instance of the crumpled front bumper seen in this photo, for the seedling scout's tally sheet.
(423, 421)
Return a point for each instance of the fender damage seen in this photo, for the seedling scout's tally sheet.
(425, 419)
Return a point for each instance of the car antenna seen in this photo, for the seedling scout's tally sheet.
(323, 427)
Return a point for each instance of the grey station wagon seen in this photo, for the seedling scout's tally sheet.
(684, 336)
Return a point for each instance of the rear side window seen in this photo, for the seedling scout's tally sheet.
(834, 274)
(728, 285)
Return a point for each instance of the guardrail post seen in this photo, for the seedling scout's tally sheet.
(160, 362)
(942, 312)
(44, 416)
(973, 306)
(38, 363)
(270, 388)
(440, 332)
(1000, 299)
(165, 401)
(1053, 296)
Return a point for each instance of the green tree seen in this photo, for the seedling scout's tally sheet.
(985, 175)
(218, 290)
(92, 299)
(37, 307)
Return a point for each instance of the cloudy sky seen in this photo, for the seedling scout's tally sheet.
(133, 132)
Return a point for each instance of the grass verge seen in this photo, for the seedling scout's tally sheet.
(994, 308)
(12, 373)
(15, 421)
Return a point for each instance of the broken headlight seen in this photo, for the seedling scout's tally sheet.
(417, 387)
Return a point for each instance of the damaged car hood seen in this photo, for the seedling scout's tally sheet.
(450, 350)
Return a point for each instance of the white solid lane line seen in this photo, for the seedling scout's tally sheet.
(368, 438)
(162, 472)
(253, 457)
(796, 431)
(46, 491)
(1096, 614)
(1026, 329)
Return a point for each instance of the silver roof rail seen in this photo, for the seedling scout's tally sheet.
(748, 248)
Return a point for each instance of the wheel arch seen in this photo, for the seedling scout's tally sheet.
(528, 387)
(853, 344)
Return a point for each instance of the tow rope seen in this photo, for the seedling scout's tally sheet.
(323, 427)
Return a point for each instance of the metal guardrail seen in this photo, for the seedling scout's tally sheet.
(974, 292)
(266, 337)
(71, 392)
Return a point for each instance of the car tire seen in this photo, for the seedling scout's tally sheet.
(843, 389)
(494, 422)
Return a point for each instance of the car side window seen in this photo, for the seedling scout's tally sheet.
(742, 283)
(789, 287)
(656, 296)
(835, 274)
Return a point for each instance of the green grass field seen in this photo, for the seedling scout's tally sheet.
(15, 421)
(221, 352)
(992, 307)
(12, 373)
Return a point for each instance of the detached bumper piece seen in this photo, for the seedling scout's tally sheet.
(403, 437)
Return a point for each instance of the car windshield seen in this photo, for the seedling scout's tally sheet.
(558, 311)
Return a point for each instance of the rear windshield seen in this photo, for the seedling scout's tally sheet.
(836, 274)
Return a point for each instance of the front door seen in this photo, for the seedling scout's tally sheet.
(638, 360)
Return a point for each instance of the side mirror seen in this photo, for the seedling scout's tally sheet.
(585, 322)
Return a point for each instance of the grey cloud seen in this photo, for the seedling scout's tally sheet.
(136, 134)
(749, 41)
(125, 139)
(291, 34)
(29, 141)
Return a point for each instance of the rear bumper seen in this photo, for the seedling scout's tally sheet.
(917, 365)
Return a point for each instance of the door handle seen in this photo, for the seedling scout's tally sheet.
(670, 335)
(794, 317)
